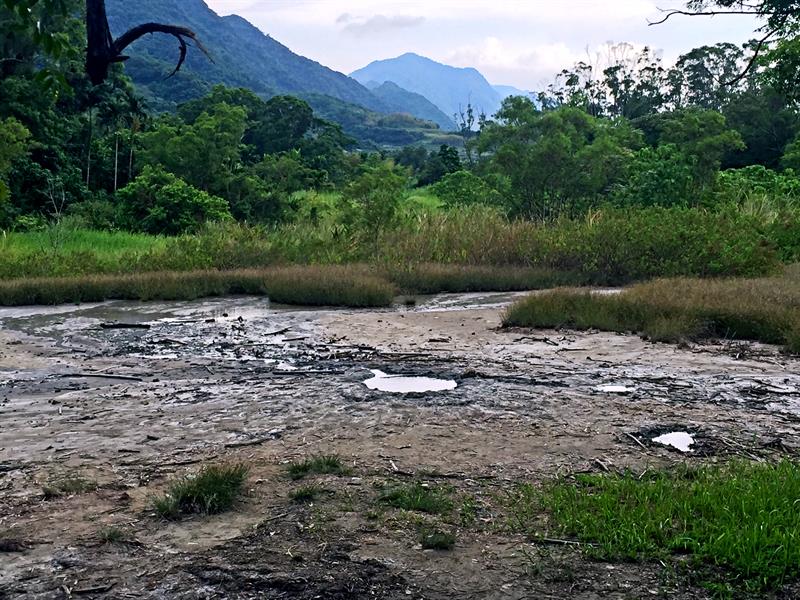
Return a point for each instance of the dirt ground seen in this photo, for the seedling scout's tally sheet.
(128, 410)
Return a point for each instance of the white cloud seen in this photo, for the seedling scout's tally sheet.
(377, 24)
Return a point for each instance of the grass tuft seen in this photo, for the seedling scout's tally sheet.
(435, 539)
(68, 486)
(420, 498)
(112, 535)
(211, 491)
(306, 494)
(740, 517)
(317, 465)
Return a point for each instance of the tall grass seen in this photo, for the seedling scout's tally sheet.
(740, 517)
(318, 286)
(213, 490)
(763, 309)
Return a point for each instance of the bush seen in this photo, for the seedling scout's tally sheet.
(463, 187)
(160, 203)
(659, 176)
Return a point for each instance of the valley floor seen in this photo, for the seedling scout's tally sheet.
(236, 380)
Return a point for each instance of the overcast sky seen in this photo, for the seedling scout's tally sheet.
(512, 42)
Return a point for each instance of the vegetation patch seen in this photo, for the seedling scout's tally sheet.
(306, 494)
(740, 518)
(436, 539)
(68, 486)
(112, 535)
(329, 464)
(211, 491)
(672, 310)
(420, 498)
(330, 286)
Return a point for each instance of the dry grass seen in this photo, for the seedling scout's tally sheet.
(671, 310)
(307, 285)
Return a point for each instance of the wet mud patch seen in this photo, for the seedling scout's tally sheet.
(237, 380)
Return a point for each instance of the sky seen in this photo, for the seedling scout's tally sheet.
(522, 43)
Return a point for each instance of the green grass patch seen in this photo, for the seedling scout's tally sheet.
(672, 310)
(420, 498)
(306, 494)
(68, 486)
(211, 491)
(329, 464)
(112, 535)
(740, 519)
(436, 539)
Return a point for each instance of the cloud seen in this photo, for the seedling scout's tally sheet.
(377, 24)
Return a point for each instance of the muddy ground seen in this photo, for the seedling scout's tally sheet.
(127, 410)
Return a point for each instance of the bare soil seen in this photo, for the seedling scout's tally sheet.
(127, 410)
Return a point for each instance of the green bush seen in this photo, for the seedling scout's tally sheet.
(160, 203)
(464, 187)
(659, 176)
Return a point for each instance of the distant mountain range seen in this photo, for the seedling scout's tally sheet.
(449, 88)
(423, 90)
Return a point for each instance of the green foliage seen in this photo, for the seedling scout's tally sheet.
(464, 187)
(376, 195)
(158, 202)
(436, 539)
(660, 176)
(317, 465)
(213, 490)
(14, 143)
(740, 517)
(419, 497)
(556, 162)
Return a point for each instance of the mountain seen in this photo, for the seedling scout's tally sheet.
(242, 56)
(509, 90)
(403, 101)
(449, 88)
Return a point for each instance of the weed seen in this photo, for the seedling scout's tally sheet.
(419, 497)
(317, 465)
(112, 535)
(306, 494)
(435, 539)
(68, 486)
(741, 517)
(213, 490)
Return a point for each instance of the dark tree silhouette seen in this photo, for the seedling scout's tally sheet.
(103, 49)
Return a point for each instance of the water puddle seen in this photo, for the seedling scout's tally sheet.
(676, 439)
(399, 384)
(615, 389)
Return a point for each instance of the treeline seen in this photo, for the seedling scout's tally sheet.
(634, 135)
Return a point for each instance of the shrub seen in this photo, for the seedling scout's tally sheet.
(213, 490)
(158, 202)
(464, 187)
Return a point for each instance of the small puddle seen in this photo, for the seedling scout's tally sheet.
(399, 384)
(615, 389)
(677, 439)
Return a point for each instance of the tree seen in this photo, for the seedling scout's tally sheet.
(14, 143)
(158, 202)
(102, 49)
(781, 21)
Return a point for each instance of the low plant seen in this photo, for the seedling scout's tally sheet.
(326, 464)
(740, 517)
(436, 539)
(68, 486)
(419, 497)
(306, 494)
(214, 489)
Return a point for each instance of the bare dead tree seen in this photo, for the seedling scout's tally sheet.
(103, 50)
